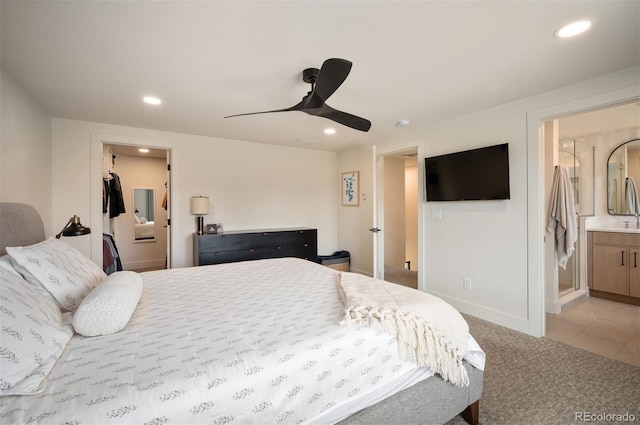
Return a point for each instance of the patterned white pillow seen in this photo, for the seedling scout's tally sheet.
(108, 308)
(32, 336)
(5, 263)
(60, 268)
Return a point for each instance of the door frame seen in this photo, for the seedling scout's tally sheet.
(378, 204)
(536, 219)
(97, 142)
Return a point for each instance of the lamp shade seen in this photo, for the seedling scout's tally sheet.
(200, 205)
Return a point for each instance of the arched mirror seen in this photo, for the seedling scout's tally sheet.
(623, 174)
(144, 225)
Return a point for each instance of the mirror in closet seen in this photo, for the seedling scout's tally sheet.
(144, 226)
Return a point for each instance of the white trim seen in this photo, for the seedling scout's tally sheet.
(535, 191)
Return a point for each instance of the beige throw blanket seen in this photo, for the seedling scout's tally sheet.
(430, 332)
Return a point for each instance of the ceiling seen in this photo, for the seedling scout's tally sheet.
(424, 61)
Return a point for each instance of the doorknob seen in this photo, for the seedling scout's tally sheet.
(375, 230)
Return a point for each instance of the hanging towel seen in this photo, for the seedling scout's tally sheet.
(631, 196)
(562, 215)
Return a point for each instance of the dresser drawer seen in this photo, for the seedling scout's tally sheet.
(254, 245)
(213, 243)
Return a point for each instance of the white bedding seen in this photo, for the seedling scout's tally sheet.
(144, 230)
(246, 343)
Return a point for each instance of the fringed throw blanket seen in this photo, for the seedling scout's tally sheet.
(430, 332)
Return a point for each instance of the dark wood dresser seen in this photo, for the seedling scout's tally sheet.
(241, 245)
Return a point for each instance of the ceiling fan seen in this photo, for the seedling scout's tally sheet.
(324, 82)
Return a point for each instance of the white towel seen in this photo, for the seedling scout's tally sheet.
(562, 215)
(631, 196)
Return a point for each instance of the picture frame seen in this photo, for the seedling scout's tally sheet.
(350, 188)
(214, 228)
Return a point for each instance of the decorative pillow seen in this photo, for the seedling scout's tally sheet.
(136, 219)
(32, 336)
(5, 263)
(143, 220)
(60, 268)
(108, 308)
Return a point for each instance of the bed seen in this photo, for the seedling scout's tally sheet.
(248, 343)
(144, 229)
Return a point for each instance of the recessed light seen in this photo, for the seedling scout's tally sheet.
(143, 150)
(403, 123)
(329, 131)
(573, 29)
(151, 100)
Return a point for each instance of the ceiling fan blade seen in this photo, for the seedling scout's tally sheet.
(298, 107)
(340, 117)
(331, 76)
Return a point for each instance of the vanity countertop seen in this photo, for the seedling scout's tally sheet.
(631, 229)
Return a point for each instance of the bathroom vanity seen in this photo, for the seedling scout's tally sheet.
(613, 264)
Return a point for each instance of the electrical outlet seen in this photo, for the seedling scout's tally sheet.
(436, 213)
(466, 283)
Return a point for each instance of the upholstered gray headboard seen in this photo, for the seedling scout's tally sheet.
(20, 225)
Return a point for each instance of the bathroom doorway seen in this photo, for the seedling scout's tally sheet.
(582, 143)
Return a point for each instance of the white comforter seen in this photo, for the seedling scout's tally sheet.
(144, 230)
(243, 343)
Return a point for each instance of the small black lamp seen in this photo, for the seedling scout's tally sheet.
(74, 228)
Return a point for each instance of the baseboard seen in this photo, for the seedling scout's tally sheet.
(361, 272)
(141, 265)
(510, 321)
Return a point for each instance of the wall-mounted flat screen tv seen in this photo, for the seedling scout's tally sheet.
(477, 174)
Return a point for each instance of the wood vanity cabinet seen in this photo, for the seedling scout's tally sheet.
(613, 265)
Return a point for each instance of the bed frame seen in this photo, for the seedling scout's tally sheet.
(432, 401)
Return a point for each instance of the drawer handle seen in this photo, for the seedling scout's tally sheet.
(265, 234)
(217, 253)
(306, 244)
(635, 259)
(622, 256)
(279, 247)
(250, 249)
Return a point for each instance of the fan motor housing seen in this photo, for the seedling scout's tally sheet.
(309, 75)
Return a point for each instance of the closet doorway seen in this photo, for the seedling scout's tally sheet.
(136, 208)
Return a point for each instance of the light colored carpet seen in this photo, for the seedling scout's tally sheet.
(401, 276)
(530, 380)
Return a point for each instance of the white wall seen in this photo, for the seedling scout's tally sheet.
(25, 152)
(394, 212)
(251, 185)
(498, 244)
(411, 197)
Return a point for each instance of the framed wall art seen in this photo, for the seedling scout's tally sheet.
(350, 188)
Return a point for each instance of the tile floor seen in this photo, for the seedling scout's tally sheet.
(600, 326)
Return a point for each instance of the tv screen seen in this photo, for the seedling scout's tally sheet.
(477, 174)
